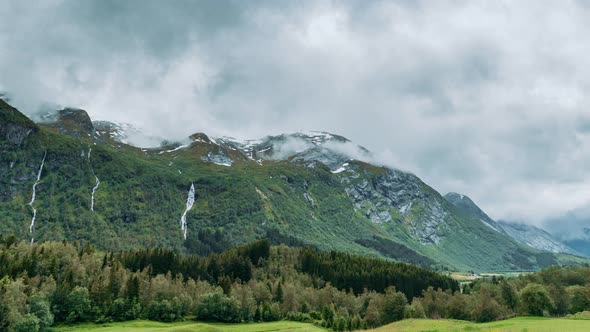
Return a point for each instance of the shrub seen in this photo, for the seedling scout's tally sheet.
(218, 307)
(535, 299)
(39, 307)
(580, 298)
(123, 310)
(29, 323)
(394, 304)
(299, 317)
(457, 307)
(485, 308)
(414, 310)
(162, 311)
(78, 305)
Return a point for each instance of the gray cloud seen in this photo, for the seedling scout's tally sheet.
(485, 98)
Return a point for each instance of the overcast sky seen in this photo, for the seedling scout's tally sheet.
(486, 98)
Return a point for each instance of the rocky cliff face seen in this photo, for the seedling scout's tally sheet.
(75, 123)
(397, 197)
(14, 127)
(535, 237)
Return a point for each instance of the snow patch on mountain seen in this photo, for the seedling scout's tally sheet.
(218, 159)
(127, 134)
(180, 147)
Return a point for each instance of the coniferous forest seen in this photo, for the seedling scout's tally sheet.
(51, 283)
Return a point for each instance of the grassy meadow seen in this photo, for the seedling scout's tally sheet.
(519, 324)
(148, 326)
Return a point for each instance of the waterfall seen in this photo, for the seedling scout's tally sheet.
(96, 185)
(34, 196)
(189, 205)
(94, 192)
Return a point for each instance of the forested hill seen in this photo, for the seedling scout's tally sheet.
(74, 179)
(59, 282)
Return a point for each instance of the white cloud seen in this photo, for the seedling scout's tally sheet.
(484, 98)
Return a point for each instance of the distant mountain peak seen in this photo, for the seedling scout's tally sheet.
(200, 137)
(535, 237)
(465, 203)
(75, 122)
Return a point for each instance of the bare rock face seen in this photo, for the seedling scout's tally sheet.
(200, 137)
(75, 123)
(15, 127)
(396, 196)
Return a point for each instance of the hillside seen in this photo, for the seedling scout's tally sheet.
(68, 180)
(528, 235)
(582, 243)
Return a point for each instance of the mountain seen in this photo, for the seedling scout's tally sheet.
(581, 243)
(466, 205)
(529, 235)
(78, 180)
(535, 237)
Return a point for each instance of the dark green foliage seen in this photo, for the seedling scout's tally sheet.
(509, 295)
(486, 308)
(458, 307)
(9, 115)
(395, 302)
(346, 271)
(235, 264)
(78, 306)
(270, 312)
(396, 251)
(29, 323)
(126, 309)
(536, 299)
(80, 284)
(580, 298)
(39, 306)
(218, 307)
(163, 311)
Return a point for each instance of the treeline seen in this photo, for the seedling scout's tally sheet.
(60, 282)
(233, 265)
(358, 273)
(555, 291)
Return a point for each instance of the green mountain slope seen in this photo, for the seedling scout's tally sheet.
(296, 189)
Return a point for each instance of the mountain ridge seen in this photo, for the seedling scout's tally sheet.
(529, 235)
(303, 188)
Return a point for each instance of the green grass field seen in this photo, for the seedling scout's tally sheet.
(520, 324)
(147, 326)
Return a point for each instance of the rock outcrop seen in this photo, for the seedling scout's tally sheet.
(14, 126)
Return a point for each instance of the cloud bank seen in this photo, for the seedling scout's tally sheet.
(487, 98)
